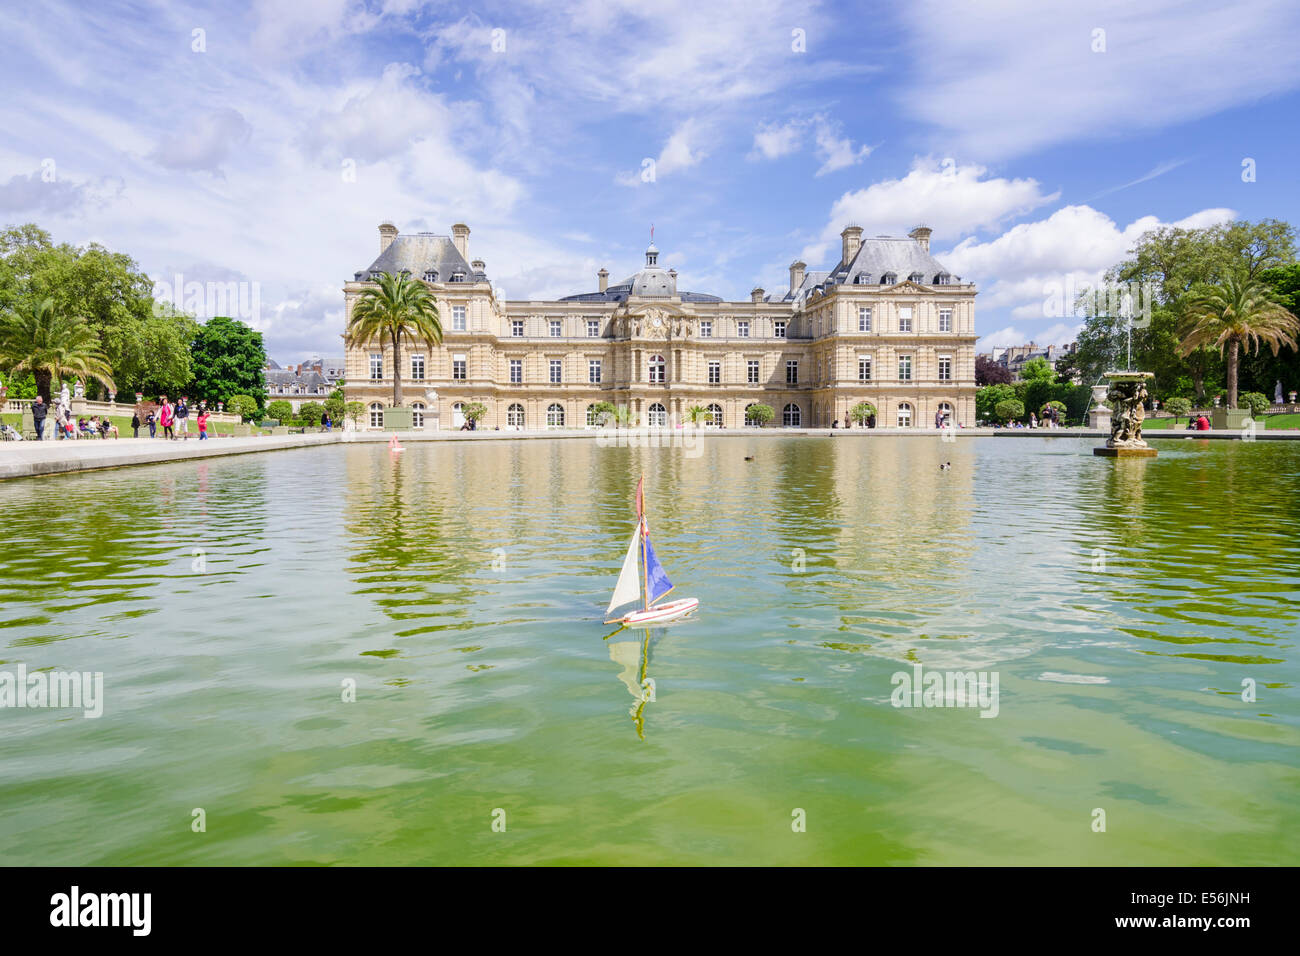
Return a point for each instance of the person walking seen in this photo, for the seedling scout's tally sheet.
(135, 423)
(183, 418)
(167, 419)
(39, 411)
(152, 422)
(203, 424)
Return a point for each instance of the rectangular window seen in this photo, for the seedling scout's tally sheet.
(945, 368)
(417, 367)
(752, 372)
(945, 320)
(593, 328)
(792, 372)
(742, 329)
(376, 365)
(905, 368)
(778, 329)
(517, 328)
(864, 320)
(556, 373)
(516, 371)
(458, 368)
(864, 368)
(905, 319)
(555, 328)
(706, 329)
(715, 373)
(593, 371)
(458, 318)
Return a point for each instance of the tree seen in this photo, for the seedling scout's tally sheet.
(311, 413)
(697, 414)
(862, 411)
(1178, 407)
(1240, 311)
(334, 405)
(51, 344)
(280, 410)
(604, 413)
(987, 398)
(762, 414)
(1009, 410)
(229, 359)
(245, 406)
(989, 372)
(354, 411)
(473, 411)
(398, 306)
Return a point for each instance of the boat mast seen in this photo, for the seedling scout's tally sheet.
(645, 565)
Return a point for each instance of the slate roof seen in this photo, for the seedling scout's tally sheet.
(289, 378)
(421, 253)
(878, 256)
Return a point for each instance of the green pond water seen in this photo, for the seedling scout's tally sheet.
(462, 586)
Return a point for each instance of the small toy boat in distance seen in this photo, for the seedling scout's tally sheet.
(643, 579)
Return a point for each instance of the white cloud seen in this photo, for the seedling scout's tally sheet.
(1004, 77)
(774, 140)
(837, 152)
(1058, 334)
(205, 143)
(681, 151)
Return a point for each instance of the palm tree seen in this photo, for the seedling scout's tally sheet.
(1239, 311)
(52, 345)
(397, 306)
(698, 413)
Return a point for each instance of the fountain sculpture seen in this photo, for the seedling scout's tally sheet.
(1127, 397)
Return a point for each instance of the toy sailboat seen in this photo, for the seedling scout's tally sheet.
(644, 579)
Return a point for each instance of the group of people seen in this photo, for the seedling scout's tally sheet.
(174, 420)
(1198, 424)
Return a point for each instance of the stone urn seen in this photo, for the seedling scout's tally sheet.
(1099, 414)
(1128, 396)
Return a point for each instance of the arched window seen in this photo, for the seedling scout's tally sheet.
(715, 416)
(656, 370)
(945, 414)
(376, 415)
(790, 417)
(904, 415)
(750, 422)
(457, 414)
(555, 415)
(515, 416)
(594, 419)
(417, 414)
(656, 416)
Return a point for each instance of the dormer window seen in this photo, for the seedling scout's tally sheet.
(942, 279)
(888, 279)
(458, 277)
(916, 277)
(431, 275)
(374, 276)
(864, 278)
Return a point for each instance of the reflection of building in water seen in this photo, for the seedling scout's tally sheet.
(887, 324)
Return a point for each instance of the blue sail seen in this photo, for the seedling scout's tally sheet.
(657, 583)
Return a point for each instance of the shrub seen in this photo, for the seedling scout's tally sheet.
(1255, 401)
(245, 406)
(1178, 406)
(862, 411)
(311, 413)
(279, 409)
(760, 413)
(1009, 410)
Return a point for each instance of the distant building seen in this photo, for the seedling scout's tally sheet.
(1014, 357)
(888, 324)
(296, 384)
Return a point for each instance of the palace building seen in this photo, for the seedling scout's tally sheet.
(888, 324)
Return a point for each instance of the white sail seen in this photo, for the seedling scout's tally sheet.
(628, 588)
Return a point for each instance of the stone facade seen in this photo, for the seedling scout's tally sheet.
(865, 331)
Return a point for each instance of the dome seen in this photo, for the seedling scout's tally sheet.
(652, 281)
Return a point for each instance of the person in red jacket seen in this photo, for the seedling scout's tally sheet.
(167, 418)
(1202, 424)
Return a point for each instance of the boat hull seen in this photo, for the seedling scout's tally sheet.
(661, 613)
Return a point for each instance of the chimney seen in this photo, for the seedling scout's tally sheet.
(756, 295)
(602, 279)
(851, 238)
(387, 233)
(796, 274)
(672, 281)
(460, 236)
(922, 236)
(478, 266)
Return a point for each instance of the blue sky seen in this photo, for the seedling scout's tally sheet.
(267, 147)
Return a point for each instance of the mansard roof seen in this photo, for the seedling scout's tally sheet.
(421, 253)
(900, 257)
